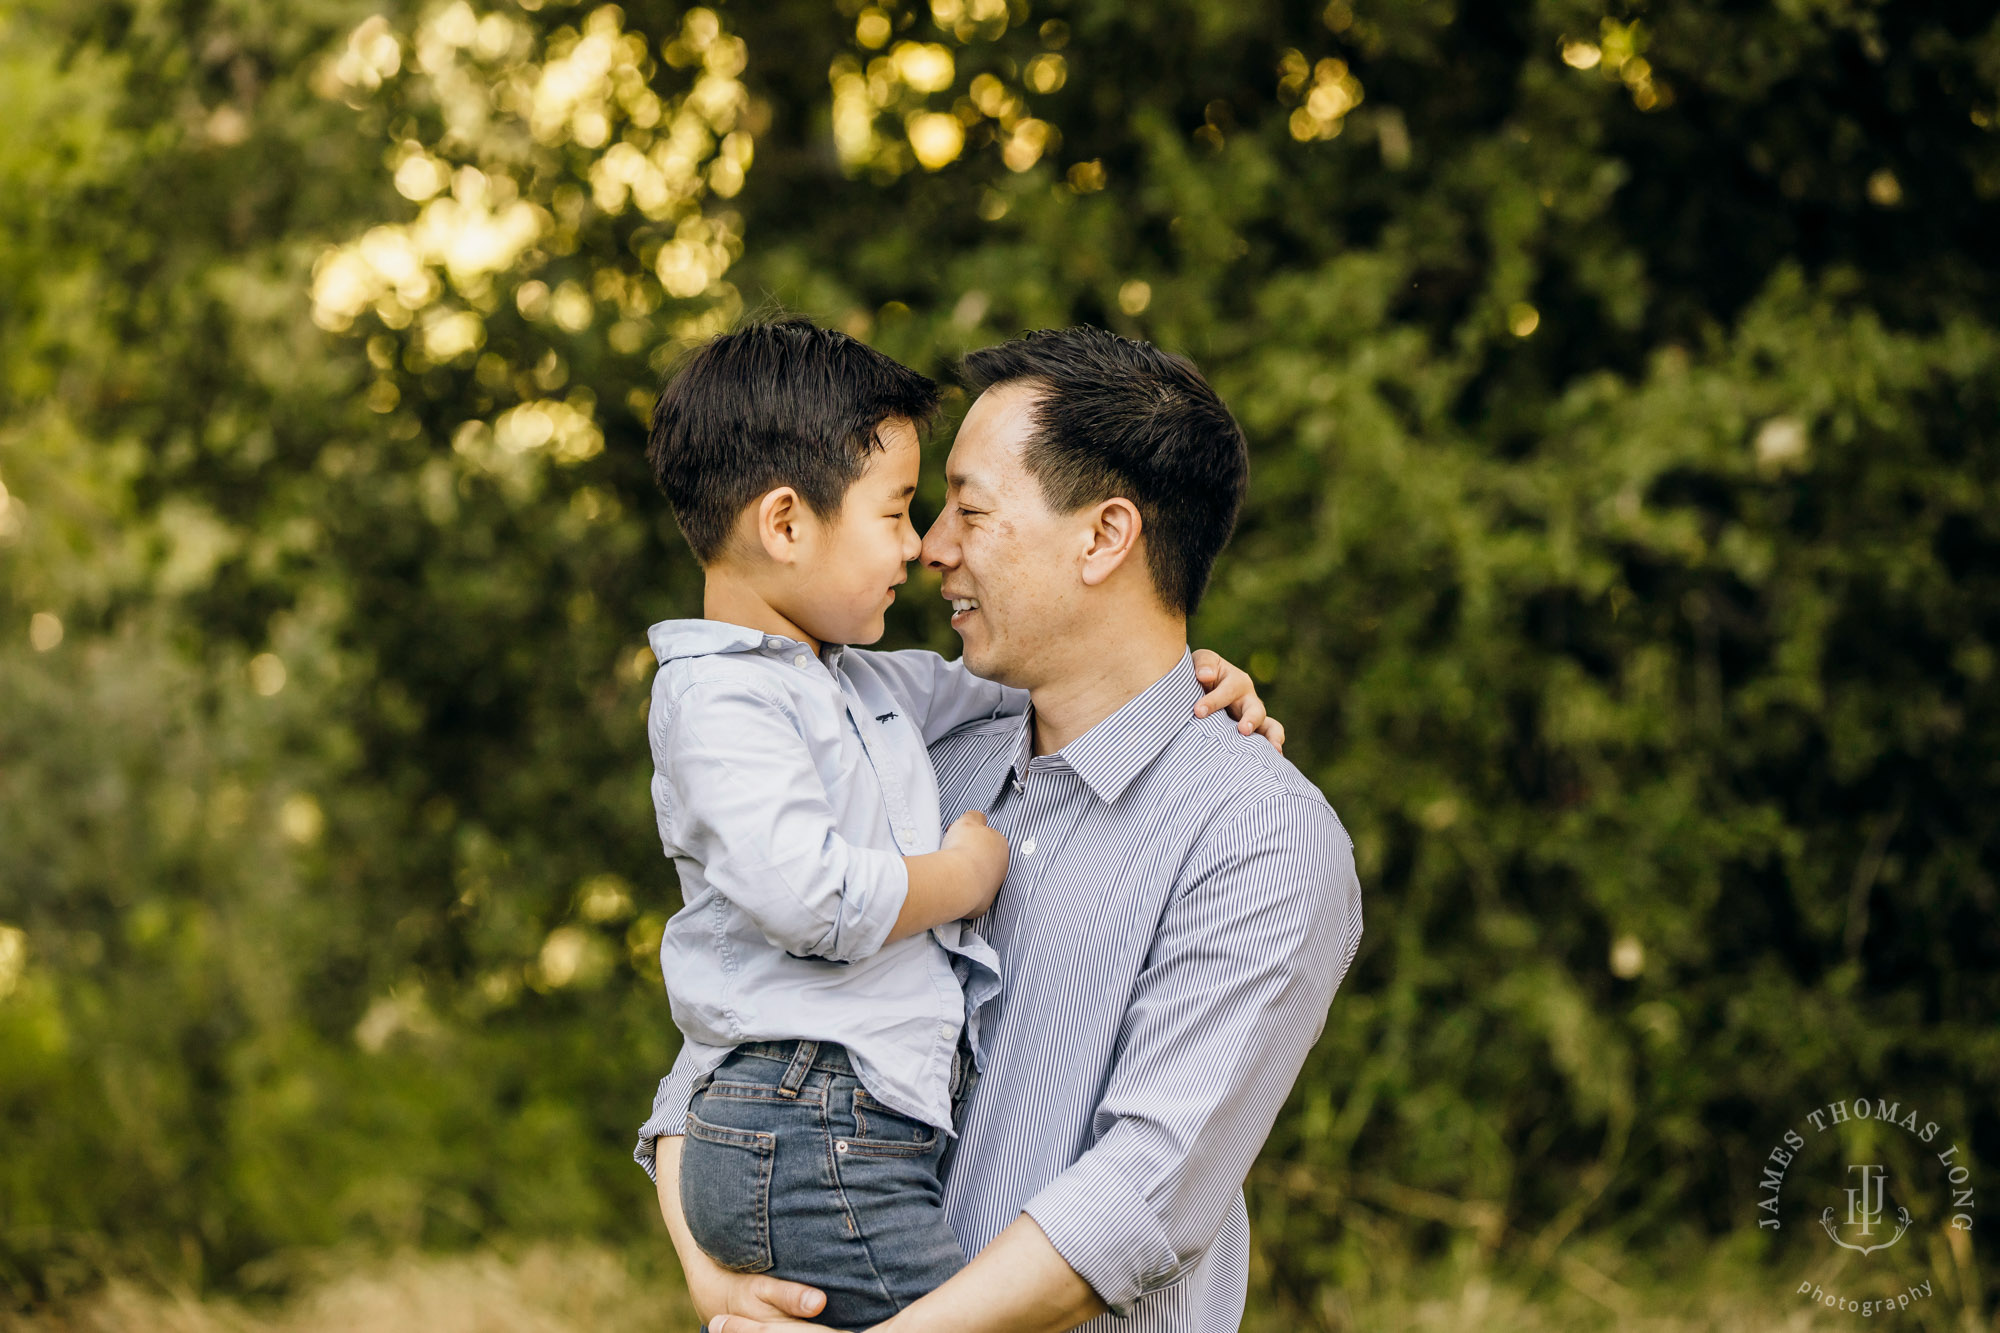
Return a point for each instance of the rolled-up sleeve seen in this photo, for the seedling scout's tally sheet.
(942, 695)
(669, 1117)
(739, 794)
(1233, 995)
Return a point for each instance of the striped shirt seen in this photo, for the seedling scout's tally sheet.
(1180, 905)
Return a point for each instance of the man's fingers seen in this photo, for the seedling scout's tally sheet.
(794, 1297)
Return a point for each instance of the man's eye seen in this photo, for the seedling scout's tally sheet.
(969, 513)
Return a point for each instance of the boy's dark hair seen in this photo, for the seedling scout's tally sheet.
(1121, 418)
(783, 403)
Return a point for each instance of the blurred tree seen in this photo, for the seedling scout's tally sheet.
(1621, 554)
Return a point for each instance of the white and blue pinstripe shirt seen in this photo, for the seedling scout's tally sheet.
(1179, 908)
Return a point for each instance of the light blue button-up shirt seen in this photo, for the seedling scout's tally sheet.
(788, 788)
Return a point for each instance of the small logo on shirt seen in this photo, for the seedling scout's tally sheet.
(889, 716)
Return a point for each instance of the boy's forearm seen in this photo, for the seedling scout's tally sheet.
(941, 890)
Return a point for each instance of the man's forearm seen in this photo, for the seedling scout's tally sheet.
(1017, 1284)
(667, 1179)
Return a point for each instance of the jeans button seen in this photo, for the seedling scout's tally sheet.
(840, 1146)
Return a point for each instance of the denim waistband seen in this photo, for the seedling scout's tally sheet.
(831, 1057)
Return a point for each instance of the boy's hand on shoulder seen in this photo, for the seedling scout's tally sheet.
(1230, 688)
(984, 853)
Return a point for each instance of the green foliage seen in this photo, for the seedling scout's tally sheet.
(1621, 555)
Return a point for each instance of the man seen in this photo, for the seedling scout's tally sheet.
(1180, 904)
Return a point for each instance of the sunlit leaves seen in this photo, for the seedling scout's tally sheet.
(1325, 92)
(885, 121)
(515, 145)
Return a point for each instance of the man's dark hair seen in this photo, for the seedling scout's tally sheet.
(1114, 417)
(783, 403)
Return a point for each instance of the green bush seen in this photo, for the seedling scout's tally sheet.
(1621, 555)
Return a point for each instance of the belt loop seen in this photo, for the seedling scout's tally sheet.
(803, 1056)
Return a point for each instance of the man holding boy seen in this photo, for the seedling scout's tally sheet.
(1179, 904)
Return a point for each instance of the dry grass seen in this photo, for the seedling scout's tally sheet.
(543, 1289)
(585, 1289)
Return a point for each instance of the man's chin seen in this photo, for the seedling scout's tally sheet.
(982, 662)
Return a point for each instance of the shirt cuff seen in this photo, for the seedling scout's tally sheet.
(1107, 1232)
(877, 886)
(670, 1106)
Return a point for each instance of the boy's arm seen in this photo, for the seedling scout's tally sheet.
(943, 695)
(748, 804)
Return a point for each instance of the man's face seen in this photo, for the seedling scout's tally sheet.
(1010, 563)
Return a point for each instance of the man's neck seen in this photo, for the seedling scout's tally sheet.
(1114, 670)
(729, 597)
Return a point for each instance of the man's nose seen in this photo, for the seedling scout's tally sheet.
(938, 550)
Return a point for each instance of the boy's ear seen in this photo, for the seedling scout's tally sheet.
(777, 519)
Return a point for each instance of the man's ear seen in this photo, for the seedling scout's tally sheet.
(1114, 538)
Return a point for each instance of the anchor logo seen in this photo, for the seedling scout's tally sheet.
(1866, 1205)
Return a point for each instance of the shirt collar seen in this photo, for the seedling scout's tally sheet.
(1118, 748)
(701, 638)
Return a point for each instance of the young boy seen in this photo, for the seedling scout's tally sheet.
(826, 989)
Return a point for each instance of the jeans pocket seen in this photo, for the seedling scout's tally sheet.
(882, 1132)
(726, 1193)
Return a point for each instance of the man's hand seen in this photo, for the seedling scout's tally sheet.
(736, 1302)
(1230, 687)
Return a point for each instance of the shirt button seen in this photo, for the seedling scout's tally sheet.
(774, 644)
(1028, 847)
(907, 835)
(802, 661)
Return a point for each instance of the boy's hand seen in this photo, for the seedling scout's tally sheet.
(1230, 687)
(983, 852)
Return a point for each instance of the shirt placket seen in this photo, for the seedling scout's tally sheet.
(1049, 805)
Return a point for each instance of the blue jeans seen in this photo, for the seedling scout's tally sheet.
(791, 1168)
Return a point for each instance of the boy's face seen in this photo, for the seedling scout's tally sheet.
(861, 555)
